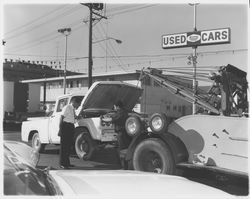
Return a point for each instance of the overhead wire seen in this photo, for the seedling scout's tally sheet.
(117, 59)
(114, 59)
(34, 20)
(113, 49)
(39, 40)
(167, 55)
(130, 10)
(146, 56)
(64, 13)
(68, 12)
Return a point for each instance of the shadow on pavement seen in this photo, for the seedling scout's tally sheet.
(230, 184)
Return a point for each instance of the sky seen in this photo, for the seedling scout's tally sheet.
(31, 33)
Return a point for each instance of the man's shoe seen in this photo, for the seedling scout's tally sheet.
(64, 167)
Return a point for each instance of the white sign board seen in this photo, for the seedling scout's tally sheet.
(198, 38)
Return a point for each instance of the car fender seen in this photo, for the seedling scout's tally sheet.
(30, 127)
(214, 140)
(92, 125)
(80, 129)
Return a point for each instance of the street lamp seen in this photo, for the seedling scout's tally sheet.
(108, 38)
(66, 33)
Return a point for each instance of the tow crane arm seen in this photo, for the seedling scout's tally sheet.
(174, 88)
(230, 81)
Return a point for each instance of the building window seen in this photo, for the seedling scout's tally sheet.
(61, 104)
(168, 108)
(71, 84)
(175, 108)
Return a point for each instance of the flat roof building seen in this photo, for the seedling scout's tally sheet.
(154, 98)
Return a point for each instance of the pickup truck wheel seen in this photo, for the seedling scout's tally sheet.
(36, 143)
(84, 146)
(153, 155)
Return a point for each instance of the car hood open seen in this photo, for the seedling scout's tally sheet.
(103, 95)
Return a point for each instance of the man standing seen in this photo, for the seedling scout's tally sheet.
(67, 130)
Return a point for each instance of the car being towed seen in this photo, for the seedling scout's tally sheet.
(92, 131)
(22, 178)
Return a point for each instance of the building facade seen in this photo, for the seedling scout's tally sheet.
(19, 97)
(154, 97)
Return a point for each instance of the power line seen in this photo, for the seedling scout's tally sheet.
(52, 35)
(131, 10)
(114, 57)
(113, 49)
(31, 22)
(115, 9)
(68, 12)
(170, 56)
(108, 49)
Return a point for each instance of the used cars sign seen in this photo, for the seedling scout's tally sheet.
(198, 38)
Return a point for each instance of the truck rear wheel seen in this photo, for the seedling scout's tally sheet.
(84, 146)
(36, 143)
(153, 155)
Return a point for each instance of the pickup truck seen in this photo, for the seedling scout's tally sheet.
(93, 127)
(43, 130)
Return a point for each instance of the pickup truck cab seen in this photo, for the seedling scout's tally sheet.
(93, 127)
(43, 130)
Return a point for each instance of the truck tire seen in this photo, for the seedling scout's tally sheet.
(36, 143)
(153, 155)
(84, 146)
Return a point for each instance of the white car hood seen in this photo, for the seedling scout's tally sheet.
(103, 95)
(120, 183)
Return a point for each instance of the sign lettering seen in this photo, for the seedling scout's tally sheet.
(175, 40)
(198, 38)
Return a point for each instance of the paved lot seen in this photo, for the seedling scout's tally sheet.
(103, 159)
(108, 159)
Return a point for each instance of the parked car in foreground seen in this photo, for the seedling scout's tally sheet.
(22, 178)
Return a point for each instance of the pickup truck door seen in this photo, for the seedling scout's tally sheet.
(54, 121)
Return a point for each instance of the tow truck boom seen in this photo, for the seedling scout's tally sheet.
(231, 85)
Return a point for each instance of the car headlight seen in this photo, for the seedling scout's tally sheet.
(133, 125)
(159, 123)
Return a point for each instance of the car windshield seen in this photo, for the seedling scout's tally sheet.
(22, 179)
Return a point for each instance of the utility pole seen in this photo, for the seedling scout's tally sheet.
(92, 7)
(90, 45)
(194, 60)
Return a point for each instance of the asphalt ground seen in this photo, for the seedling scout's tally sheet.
(107, 159)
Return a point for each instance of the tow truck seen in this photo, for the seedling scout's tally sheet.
(216, 138)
